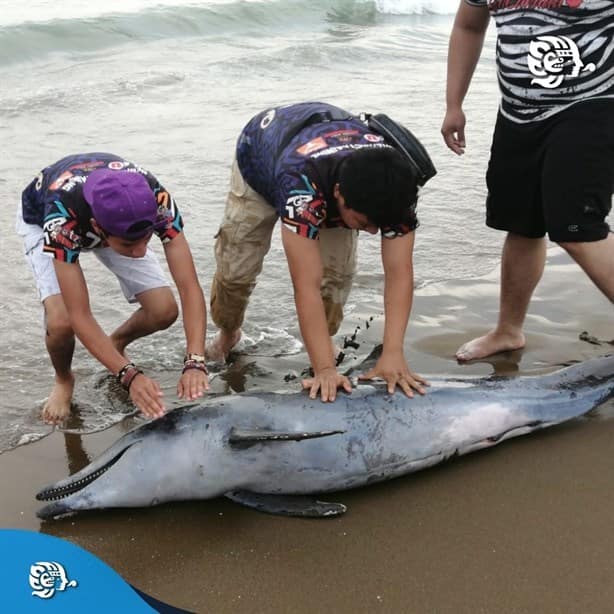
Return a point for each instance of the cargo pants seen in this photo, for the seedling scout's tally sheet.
(244, 239)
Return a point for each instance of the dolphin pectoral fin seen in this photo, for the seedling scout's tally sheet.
(252, 436)
(287, 505)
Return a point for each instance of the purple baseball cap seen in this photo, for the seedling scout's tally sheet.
(122, 202)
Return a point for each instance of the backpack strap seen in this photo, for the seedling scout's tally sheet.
(319, 117)
(405, 142)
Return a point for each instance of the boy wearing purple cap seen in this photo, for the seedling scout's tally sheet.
(103, 203)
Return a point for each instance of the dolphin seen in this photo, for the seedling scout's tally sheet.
(271, 451)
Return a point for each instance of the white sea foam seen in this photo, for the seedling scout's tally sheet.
(15, 12)
(416, 7)
(30, 438)
(268, 340)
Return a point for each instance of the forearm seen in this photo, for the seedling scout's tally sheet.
(97, 342)
(193, 307)
(463, 54)
(194, 310)
(398, 298)
(314, 330)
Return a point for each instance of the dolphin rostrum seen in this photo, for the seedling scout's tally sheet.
(268, 450)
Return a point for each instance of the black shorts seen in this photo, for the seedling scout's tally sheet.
(554, 176)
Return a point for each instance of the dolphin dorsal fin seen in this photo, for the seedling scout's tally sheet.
(252, 436)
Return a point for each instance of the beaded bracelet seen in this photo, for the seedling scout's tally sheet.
(195, 364)
(127, 374)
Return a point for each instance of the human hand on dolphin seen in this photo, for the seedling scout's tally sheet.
(192, 384)
(147, 395)
(393, 368)
(327, 381)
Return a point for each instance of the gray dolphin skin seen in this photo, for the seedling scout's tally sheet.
(268, 451)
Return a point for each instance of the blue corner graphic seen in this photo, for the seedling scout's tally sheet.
(46, 574)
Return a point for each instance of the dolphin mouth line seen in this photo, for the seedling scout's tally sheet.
(61, 492)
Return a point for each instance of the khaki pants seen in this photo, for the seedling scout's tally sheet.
(242, 242)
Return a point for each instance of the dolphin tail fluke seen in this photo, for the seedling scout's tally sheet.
(287, 505)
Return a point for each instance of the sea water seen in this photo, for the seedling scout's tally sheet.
(169, 85)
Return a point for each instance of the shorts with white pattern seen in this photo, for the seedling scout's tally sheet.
(135, 275)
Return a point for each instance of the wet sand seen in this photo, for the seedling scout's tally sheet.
(522, 527)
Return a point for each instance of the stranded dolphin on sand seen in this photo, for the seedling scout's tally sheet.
(265, 450)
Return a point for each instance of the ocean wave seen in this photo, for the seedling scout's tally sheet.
(84, 33)
(416, 7)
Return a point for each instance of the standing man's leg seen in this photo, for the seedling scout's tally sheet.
(580, 199)
(597, 260)
(574, 206)
(338, 251)
(514, 204)
(522, 265)
(242, 242)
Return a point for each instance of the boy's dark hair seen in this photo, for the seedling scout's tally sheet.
(380, 184)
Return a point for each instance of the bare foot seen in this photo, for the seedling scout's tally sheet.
(489, 344)
(57, 406)
(221, 345)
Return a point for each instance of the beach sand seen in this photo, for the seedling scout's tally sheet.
(523, 527)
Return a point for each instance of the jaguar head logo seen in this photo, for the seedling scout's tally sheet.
(48, 577)
(553, 58)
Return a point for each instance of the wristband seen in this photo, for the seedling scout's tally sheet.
(194, 364)
(127, 374)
